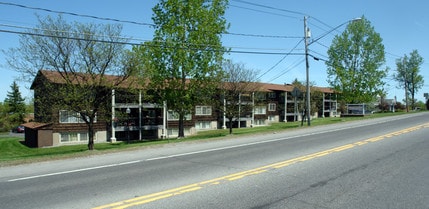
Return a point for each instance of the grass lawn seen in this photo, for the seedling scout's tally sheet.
(13, 151)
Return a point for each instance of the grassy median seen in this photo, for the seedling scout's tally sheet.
(13, 151)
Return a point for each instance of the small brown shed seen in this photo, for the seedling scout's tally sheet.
(38, 134)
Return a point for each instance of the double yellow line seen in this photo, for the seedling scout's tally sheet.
(197, 186)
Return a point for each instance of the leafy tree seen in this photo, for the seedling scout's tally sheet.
(238, 84)
(355, 58)
(184, 59)
(420, 105)
(81, 58)
(408, 75)
(3, 116)
(15, 106)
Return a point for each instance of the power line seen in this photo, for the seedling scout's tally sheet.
(281, 60)
(134, 22)
(261, 11)
(262, 36)
(322, 55)
(201, 47)
(269, 7)
(68, 32)
(77, 15)
(283, 10)
(67, 37)
(288, 69)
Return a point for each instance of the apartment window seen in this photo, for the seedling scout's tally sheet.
(175, 132)
(260, 110)
(203, 110)
(272, 107)
(260, 96)
(259, 122)
(73, 137)
(67, 116)
(271, 95)
(172, 115)
(70, 117)
(203, 125)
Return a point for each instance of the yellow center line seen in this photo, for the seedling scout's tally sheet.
(235, 176)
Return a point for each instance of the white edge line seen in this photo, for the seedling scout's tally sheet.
(180, 155)
(74, 171)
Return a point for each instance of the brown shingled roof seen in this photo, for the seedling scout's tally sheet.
(289, 88)
(35, 125)
(56, 77)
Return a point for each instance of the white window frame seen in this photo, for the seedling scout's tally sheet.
(68, 116)
(260, 110)
(73, 137)
(259, 122)
(174, 116)
(203, 125)
(272, 107)
(203, 110)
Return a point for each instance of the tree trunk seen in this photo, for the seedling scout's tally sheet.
(413, 105)
(91, 135)
(181, 126)
(230, 125)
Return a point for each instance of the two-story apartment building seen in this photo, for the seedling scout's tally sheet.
(133, 117)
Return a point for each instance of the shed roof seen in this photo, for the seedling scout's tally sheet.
(35, 125)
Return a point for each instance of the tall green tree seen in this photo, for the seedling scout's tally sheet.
(15, 105)
(184, 59)
(80, 58)
(3, 117)
(355, 60)
(408, 75)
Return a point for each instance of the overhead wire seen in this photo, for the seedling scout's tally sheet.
(287, 69)
(126, 42)
(293, 65)
(134, 22)
(76, 14)
(263, 36)
(281, 60)
(261, 11)
(227, 33)
(283, 10)
(269, 7)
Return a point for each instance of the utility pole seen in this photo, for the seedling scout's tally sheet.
(307, 68)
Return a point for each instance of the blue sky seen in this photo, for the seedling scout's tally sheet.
(403, 25)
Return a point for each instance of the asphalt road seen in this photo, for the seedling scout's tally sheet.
(377, 163)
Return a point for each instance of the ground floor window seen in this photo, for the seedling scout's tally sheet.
(203, 125)
(173, 132)
(259, 122)
(73, 137)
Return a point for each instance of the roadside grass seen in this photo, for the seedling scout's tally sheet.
(13, 151)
